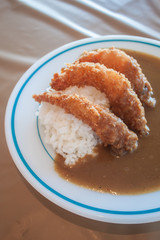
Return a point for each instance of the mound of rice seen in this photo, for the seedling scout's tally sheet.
(69, 136)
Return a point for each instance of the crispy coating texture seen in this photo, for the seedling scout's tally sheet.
(111, 130)
(123, 63)
(123, 100)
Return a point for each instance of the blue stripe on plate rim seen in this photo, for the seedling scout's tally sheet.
(154, 210)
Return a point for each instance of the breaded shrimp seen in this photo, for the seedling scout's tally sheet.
(123, 100)
(123, 63)
(110, 129)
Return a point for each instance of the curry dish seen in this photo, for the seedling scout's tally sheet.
(135, 173)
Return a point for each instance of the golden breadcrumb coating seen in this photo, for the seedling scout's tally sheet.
(110, 129)
(124, 101)
(123, 63)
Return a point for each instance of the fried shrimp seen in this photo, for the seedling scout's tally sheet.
(123, 100)
(110, 129)
(123, 63)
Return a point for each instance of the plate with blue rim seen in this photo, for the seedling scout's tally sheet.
(34, 158)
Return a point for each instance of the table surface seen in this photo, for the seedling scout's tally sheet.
(30, 29)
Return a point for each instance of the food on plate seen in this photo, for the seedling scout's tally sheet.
(123, 100)
(118, 60)
(77, 141)
(108, 127)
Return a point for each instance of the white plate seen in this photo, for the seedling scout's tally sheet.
(32, 156)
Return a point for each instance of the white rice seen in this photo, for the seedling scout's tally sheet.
(91, 93)
(69, 136)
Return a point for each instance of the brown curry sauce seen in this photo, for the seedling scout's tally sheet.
(134, 173)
